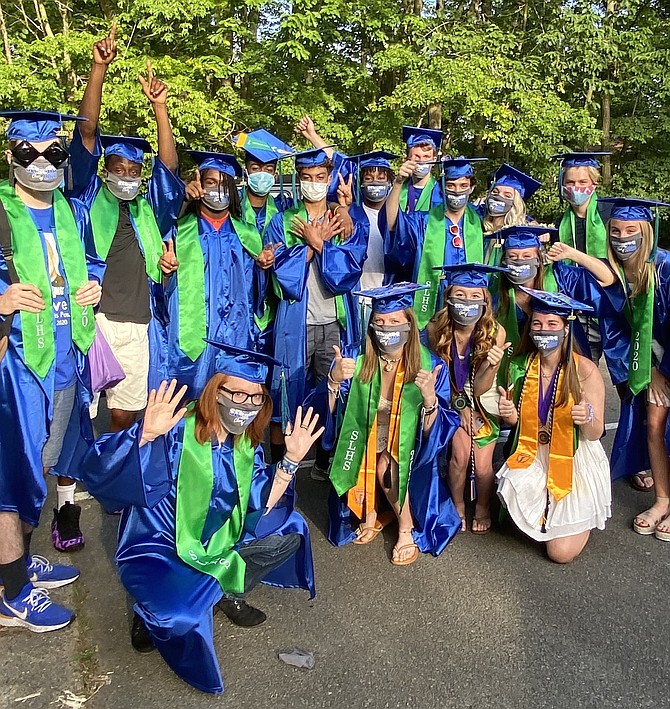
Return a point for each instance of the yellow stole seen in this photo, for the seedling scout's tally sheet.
(362, 497)
(561, 446)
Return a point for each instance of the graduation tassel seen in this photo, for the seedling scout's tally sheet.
(358, 181)
(657, 222)
(285, 411)
(473, 486)
(294, 189)
(364, 325)
(545, 515)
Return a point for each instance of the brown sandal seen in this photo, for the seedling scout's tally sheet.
(410, 559)
(362, 530)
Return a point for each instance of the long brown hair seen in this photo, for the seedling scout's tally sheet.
(504, 302)
(411, 353)
(442, 332)
(644, 270)
(208, 424)
(570, 384)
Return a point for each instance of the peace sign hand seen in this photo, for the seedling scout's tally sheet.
(154, 89)
(168, 261)
(104, 51)
(345, 192)
(162, 413)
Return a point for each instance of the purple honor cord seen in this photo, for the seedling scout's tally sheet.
(546, 398)
(461, 367)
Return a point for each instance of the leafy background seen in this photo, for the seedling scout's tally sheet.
(512, 80)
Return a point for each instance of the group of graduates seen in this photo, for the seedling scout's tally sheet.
(380, 318)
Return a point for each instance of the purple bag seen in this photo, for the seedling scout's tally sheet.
(106, 371)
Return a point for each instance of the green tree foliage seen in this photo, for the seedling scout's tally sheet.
(513, 80)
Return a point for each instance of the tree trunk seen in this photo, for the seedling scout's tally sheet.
(5, 38)
(606, 139)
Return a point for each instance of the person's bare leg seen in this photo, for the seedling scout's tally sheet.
(121, 420)
(404, 515)
(567, 549)
(484, 484)
(11, 537)
(657, 418)
(458, 469)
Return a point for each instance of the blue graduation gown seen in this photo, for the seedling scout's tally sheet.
(340, 267)
(174, 600)
(26, 403)
(630, 452)
(234, 292)
(165, 194)
(436, 520)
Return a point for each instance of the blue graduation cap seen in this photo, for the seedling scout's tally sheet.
(36, 126)
(315, 157)
(579, 159)
(391, 299)
(524, 236)
(223, 162)
(455, 168)
(413, 136)
(632, 209)
(246, 364)
(509, 176)
(263, 146)
(377, 158)
(555, 303)
(469, 275)
(126, 146)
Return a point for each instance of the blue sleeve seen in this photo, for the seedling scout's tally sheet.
(96, 266)
(118, 473)
(341, 265)
(436, 196)
(402, 244)
(290, 267)
(582, 285)
(166, 195)
(341, 166)
(662, 309)
(84, 169)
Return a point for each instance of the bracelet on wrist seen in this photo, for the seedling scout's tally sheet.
(333, 382)
(425, 410)
(289, 466)
(592, 413)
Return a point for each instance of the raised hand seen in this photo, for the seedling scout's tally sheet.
(405, 171)
(425, 380)
(302, 435)
(168, 261)
(560, 251)
(104, 51)
(266, 258)
(508, 412)
(343, 367)
(495, 354)
(21, 296)
(154, 89)
(163, 412)
(306, 127)
(345, 192)
(194, 190)
(88, 294)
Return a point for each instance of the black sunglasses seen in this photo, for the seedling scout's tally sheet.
(24, 154)
(241, 397)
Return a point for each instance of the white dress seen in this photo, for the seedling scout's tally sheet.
(588, 505)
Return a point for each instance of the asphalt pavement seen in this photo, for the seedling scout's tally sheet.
(489, 623)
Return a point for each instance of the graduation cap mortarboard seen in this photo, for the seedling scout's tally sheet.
(469, 275)
(261, 145)
(126, 146)
(632, 209)
(555, 303)
(36, 126)
(455, 168)
(523, 236)
(223, 162)
(509, 176)
(311, 158)
(413, 136)
(246, 364)
(377, 158)
(579, 159)
(393, 298)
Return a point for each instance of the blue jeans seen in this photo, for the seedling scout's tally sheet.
(264, 555)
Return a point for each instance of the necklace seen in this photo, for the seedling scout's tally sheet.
(389, 362)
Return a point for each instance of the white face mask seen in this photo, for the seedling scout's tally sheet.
(313, 191)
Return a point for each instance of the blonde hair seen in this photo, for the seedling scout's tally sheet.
(642, 268)
(592, 172)
(441, 332)
(515, 217)
(411, 353)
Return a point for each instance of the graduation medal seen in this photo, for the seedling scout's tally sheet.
(460, 402)
(543, 437)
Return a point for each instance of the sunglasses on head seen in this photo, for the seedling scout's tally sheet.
(25, 153)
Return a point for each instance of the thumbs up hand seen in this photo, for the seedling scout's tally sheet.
(508, 412)
(582, 413)
(426, 382)
(168, 261)
(495, 354)
(343, 367)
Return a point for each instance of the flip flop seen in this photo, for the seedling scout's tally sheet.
(482, 531)
(637, 481)
(652, 520)
(362, 530)
(410, 559)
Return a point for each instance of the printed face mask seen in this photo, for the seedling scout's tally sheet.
(457, 200)
(236, 417)
(260, 183)
(498, 206)
(389, 338)
(40, 175)
(216, 200)
(464, 311)
(375, 191)
(578, 196)
(625, 248)
(123, 188)
(521, 270)
(422, 169)
(547, 341)
(313, 191)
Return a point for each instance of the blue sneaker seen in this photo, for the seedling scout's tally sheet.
(33, 609)
(43, 574)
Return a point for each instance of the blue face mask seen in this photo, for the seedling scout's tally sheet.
(547, 341)
(375, 191)
(498, 206)
(422, 169)
(457, 200)
(260, 183)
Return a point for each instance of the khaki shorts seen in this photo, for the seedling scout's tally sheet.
(130, 344)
